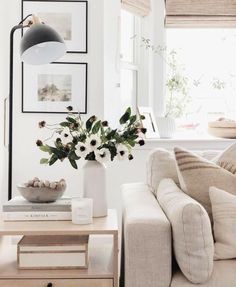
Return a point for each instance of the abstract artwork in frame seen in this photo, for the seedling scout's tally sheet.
(68, 18)
(53, 87)
(149, 122)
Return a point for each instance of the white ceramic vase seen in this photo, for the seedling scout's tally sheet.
(94, 180)
(166, 127)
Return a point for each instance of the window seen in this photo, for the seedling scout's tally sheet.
(206, 58)
(129, 59)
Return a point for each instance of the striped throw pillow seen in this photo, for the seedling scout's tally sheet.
(197, 174)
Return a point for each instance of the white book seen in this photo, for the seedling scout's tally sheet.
(53, 252)
(36, 215)
(52, 260)
(19, 204)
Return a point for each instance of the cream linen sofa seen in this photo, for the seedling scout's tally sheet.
(147, 243)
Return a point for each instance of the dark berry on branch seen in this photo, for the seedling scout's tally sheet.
(130, 157)
(141, 142)
(69, 108)
(39, 143)
(42, 124)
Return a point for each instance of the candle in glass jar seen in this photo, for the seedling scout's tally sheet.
(82, 210)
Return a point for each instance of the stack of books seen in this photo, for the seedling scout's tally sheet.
(19, 209)
(53, 252)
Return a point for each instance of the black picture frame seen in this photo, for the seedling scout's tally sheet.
(64, 111)
(85, 2)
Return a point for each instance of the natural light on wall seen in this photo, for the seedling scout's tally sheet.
(129, 62)
(206, 60)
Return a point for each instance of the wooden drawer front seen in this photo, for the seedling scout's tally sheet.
(57, 283)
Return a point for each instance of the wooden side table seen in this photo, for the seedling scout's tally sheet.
(103, 254)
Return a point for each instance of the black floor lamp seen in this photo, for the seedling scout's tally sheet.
(40, 45)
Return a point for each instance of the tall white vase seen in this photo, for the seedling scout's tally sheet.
(94, 177)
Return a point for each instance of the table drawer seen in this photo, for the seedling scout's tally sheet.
(56, 283)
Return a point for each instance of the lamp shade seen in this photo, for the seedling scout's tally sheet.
(41, 45)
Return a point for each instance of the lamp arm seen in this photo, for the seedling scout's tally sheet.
(10, 140)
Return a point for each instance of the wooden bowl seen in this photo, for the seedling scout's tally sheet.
(227, 133)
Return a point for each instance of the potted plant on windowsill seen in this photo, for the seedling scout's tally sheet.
(96, 143)
(177, 89)
(177, 97)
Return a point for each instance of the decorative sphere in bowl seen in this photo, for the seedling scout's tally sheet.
(39, 191)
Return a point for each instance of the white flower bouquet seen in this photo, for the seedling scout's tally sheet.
(92, 140)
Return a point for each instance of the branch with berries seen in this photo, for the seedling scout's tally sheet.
(93, 140)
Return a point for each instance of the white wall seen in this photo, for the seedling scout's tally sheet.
(25, 153)
(3, 87)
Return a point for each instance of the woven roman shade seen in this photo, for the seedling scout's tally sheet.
(138, 7)
(200, 13)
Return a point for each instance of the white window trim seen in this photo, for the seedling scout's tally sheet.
(134, 66)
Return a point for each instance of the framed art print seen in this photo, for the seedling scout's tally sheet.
(149, 122)
(68, 18)
(53, 87)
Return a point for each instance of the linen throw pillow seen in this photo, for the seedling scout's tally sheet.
(227, 159)
(161, 164)
(192, 235)
(197, 174)
(224, 217)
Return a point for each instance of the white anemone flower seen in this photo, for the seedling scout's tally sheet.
(122, 152)
(66, 136)
(102, 155)
(93, 142)
(82, 150)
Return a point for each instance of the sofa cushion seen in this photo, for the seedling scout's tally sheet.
(223, 275)
(161, 164)
(224, 218)
(192, 234)
(197, 174)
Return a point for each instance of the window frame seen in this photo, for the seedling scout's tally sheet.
(134, 66)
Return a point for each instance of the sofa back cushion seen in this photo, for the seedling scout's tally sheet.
(192, 235)
(161, 164)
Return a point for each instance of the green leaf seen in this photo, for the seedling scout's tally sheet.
(71, 120)
(131, 142)
(72, 155)
(132, 120)
(64, 124)
(96, 127)
(90, 156)
(45, 148)
(132, 137)
(111, 134)
(81, 138)
(112, 148)
(53, 159)
(43, 161)
(89, 124)
(73, 163)
(125, 116)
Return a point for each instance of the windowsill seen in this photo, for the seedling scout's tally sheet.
(189, 141)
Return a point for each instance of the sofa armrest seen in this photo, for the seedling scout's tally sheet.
(147, 239)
